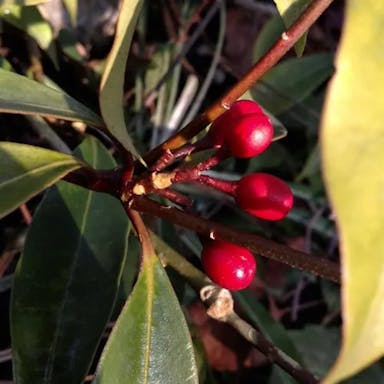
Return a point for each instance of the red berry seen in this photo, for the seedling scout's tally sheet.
(249, 136)
(264, 196)
(228, 265)
(245, 107)
(244, 134)
(238, 109)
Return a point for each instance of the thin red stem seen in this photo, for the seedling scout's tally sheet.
(225, 186)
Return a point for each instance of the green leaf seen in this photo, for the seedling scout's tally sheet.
(112, 82)
(352, 152)
(150, 342)
(291, 81)
(268, 35)
(71, 6)
(29, 20)
(270, 328)
(27, 170)
(67, 278)
(318, 346)
(290, 10)
(18, 94)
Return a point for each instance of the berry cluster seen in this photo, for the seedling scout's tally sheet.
(244, 131)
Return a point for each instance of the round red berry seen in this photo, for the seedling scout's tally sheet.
(238, 109)
(228, 265)
(249, 136)
(244, 134)
(244, 107)
(264, 196)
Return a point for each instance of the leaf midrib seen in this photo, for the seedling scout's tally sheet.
(148, 265)
(35, 171)
(52, 354)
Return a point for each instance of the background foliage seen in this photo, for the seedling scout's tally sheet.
(71, 270)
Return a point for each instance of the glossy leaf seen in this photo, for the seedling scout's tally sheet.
(112, 82)
(67, 278)
(150, 342)
(290, 10)
(352, 152)
(291, 81)
(18, 94)
(268, 35)
(27, 170)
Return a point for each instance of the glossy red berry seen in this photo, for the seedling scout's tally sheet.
(244, 130)
(264, 196)
(238, 109)
(249, 136)
(228, 265)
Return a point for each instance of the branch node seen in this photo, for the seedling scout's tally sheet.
(218, 300)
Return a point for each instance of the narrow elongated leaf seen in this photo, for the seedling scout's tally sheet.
(290, 10)
(18, 94)
(291, 81)
(112, 82)
(150, 342)
(353, 157)
(27, 170)
(66, 281)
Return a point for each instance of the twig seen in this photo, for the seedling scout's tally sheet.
(279, 49)
(273, 353)
(219, 303)
(316, 265)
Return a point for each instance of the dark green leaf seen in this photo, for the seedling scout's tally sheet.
(27, 170)
(66, 281)
(268, 36)
(29, 20)
(150, 342)
(318, 346)
(271, 329)
(291, 81)
(290, 10)
(18, 94)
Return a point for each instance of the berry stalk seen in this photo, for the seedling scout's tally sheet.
(316, 265)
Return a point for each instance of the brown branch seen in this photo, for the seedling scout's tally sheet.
(279, 49)
(219, 304)
(273, 353)
(316, 265)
